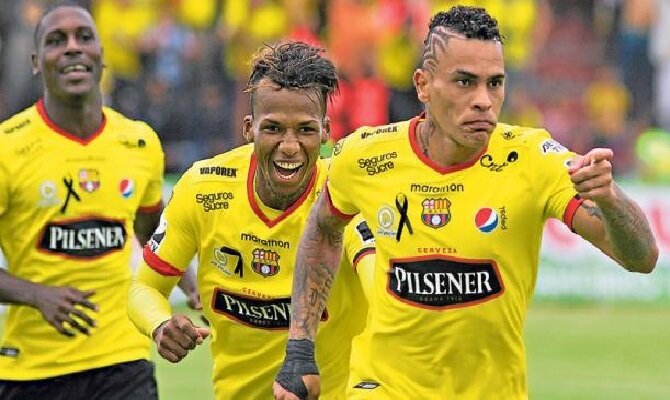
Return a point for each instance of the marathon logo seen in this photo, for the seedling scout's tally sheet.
(441, 283)
(86, 238)
(271, 314)
(222, 171)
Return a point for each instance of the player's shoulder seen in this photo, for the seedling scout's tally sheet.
(506, 135)
(230, 166)
(18, 127)
(367, 137)
(131, 132)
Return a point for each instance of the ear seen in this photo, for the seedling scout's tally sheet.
(33, 62)
(325, 133)
(247, 132)
(421, 79)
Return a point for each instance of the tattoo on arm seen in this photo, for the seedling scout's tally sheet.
(629, 232)
(316, 266)
(593, 210)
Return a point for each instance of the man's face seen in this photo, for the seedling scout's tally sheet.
(68, 54)
(287, 127)
(464, 92)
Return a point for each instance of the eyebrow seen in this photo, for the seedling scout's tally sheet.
(473, 76)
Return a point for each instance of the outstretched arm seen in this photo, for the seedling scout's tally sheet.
(317, 261)
(608, 218)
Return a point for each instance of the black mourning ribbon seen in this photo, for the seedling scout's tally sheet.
(402, 205)
(68, 181)
(232, 252)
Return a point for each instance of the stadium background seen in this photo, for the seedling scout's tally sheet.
(593, 72)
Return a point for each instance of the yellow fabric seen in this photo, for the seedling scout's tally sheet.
(84, 247)
(425, 338)
(148, 299)
(121, 29)
(212, 214)
(197, 14)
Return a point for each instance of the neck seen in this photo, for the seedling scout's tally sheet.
(81, 117)
(271, 198)
(442, 149)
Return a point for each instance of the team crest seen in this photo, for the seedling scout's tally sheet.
(265, 262)
(436, 213)
(89, 179)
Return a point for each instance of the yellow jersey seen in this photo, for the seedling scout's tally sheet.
(67, 208)
(246, 253)
(456, 259)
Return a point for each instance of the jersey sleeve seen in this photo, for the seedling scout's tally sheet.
(359, 252)
(152, 198)
(173, 244)
(358, 240)
(561, 200)
(337, 186)
(4, 186)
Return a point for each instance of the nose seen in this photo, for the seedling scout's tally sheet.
(72, 46)
(289, 144)
(482, 99)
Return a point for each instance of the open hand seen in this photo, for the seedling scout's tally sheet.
(63, 308)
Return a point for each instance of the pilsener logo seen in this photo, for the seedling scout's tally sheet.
(440, 282)
(83, 238)
(257, 313)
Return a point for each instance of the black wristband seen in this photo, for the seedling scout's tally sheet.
(299, 361)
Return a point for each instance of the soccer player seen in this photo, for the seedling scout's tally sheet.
(458, 231)
(242, 213)
(76, 180)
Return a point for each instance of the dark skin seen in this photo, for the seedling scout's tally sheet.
(287, 128)
(68, 59)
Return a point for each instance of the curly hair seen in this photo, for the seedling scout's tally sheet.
(469, 22)
(294, 65)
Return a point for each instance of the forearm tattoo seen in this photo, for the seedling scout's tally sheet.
(593, 210)
(317, 261)
(628, 231)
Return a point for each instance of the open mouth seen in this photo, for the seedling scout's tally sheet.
(287, 171)
(75, 69)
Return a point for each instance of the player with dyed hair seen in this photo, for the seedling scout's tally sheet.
(242, 213)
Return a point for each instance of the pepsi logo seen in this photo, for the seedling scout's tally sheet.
(486, 220)
(127, 188)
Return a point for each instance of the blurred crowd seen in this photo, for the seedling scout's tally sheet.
(595, 73)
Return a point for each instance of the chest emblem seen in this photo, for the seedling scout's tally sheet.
(436, 213)
(89, 179)
(127, 188)
(265, 262)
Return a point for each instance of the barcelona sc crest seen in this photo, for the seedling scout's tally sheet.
(436, 213)
(89, 179)
(265, 262)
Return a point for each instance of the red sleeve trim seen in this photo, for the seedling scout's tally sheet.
(362, 253)
(158, 265)
(571, 210)
(334, 209)
(151, 209)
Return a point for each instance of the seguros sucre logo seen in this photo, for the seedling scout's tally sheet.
(441, 282)
(378, 164)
